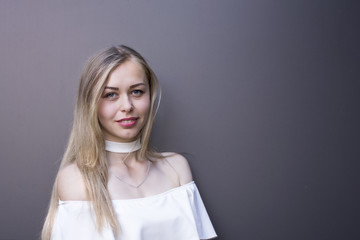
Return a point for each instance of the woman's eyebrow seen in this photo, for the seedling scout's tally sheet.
(132, 86)
(112, 88)
(136, 85)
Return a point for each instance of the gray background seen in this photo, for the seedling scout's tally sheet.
(261, 96)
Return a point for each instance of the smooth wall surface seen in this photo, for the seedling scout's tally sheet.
(261, 96)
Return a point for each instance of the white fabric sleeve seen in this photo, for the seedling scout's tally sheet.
(203, 223)
(75, 221)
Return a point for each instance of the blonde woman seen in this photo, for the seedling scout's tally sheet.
(111, 184)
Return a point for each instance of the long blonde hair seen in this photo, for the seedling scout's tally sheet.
(86, 146)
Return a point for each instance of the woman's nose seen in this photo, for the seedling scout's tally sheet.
(126, 104)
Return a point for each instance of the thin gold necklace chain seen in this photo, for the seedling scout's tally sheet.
(142, 182)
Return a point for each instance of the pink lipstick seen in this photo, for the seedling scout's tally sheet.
(127, 122)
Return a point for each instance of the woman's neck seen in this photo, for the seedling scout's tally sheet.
(117, 152)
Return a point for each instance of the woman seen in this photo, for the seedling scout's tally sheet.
(111, 184)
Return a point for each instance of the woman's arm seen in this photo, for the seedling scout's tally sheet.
(70, 184)
(181, 166)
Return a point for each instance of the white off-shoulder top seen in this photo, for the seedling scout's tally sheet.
(177, 214)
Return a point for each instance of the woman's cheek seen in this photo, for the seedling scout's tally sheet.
(106, 110)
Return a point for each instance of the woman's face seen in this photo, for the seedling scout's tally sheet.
(124, 105)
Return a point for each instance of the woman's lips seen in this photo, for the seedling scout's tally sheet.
(127, 122)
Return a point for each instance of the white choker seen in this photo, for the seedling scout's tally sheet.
(119, 147)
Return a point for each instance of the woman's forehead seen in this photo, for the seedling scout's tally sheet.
(129, 72)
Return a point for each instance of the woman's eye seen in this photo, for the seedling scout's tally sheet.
(110, 95)
(137, 92)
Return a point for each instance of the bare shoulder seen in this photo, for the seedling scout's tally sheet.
(70, 184)
(180, 165)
